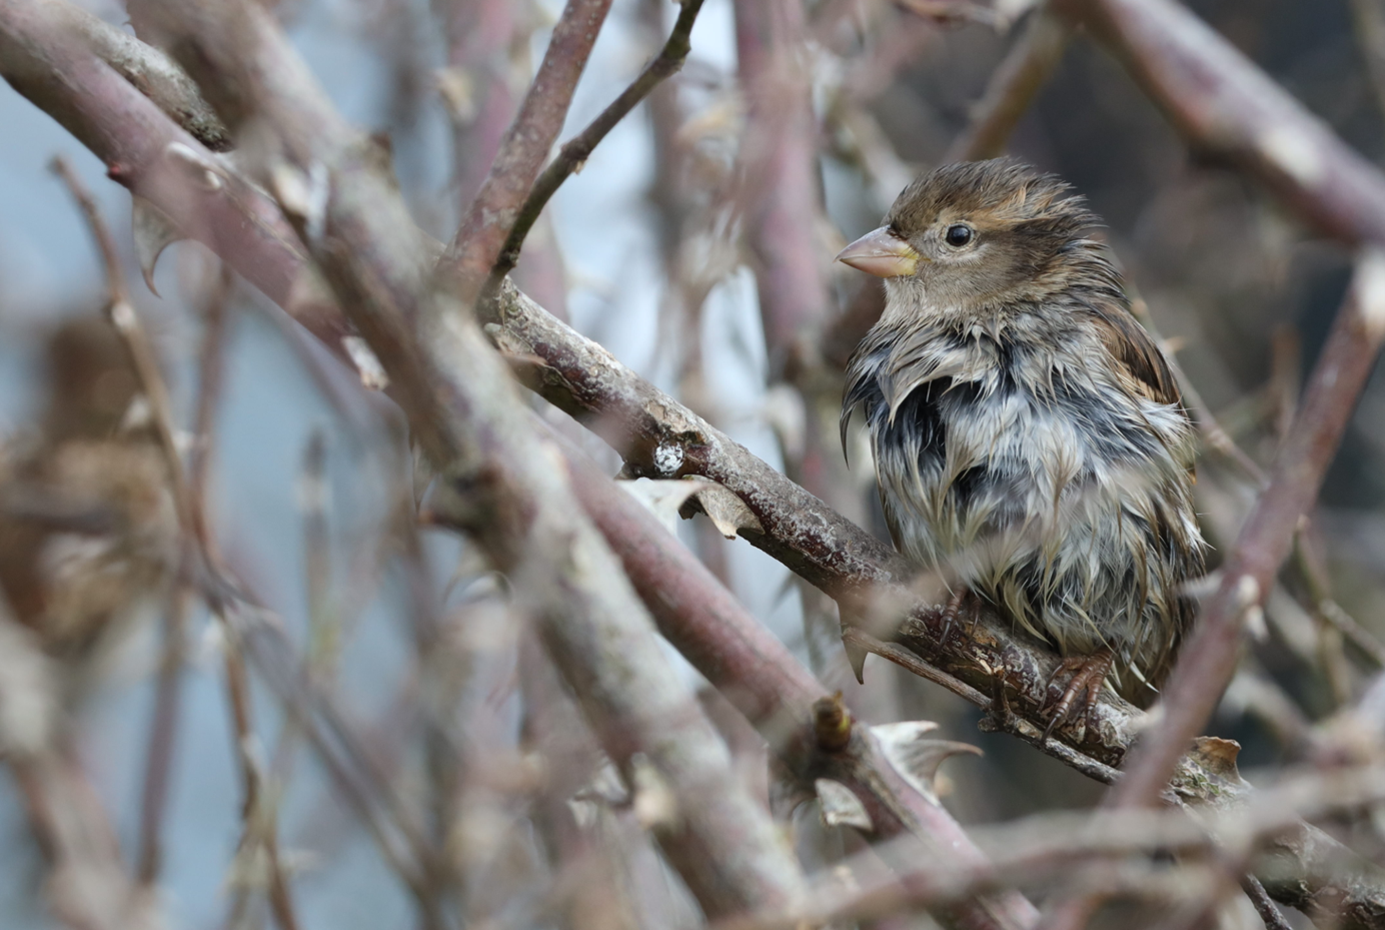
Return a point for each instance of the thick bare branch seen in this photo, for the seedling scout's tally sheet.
(779, 186)
(745, 662)
(151, 71)
(159, 161)
(499, 480)
(1227, 107)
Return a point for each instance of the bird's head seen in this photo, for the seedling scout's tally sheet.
(978, 234)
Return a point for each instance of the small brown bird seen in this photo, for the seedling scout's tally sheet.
(88, 532)
(1029, 439)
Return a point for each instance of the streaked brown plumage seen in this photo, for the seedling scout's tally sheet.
(1029, 437)
(88, 533)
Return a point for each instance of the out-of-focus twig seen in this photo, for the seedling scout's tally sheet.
(951, 11)
(159, 160)
(211, 371)
(132, 333)
(1368, 19)
(188, 498)
(577, 150)
(1314, 572)
(1012, 88)
(168, 691)
(1040, 848)
(259, 817)
(778, 188)
(1226, 107)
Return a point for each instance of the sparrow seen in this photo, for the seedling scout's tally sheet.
(1030, 442)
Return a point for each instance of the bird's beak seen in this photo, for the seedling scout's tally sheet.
(880, 252)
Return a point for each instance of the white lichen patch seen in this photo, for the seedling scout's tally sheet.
(668, 458)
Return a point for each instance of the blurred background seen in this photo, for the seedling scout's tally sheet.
(665, 249)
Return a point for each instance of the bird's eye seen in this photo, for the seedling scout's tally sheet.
(958, 236)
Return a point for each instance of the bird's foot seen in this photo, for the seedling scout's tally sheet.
(1088, 675)
(953, 609)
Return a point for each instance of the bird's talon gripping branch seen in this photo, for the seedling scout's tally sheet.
(1088, 676)
(953, 609)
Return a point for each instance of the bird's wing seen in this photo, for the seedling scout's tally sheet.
(1144, 365)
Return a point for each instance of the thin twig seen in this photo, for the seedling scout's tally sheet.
(577, 150)
(1269, 911)
(1213, 433)
(259, 821)
(259, 636)
(481, 238)
(211, 367)
(132, 333)
(163, 729)
(1013, 87)
(1322, 604)
(167, 695)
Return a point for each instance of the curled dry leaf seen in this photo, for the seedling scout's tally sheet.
(1208, 773)
(1218, 755)
(840, 806)
(915, 757)
(726, 510)
(667, 500)
(663, 498)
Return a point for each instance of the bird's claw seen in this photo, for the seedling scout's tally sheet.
(1088, 675)
(952, 610)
